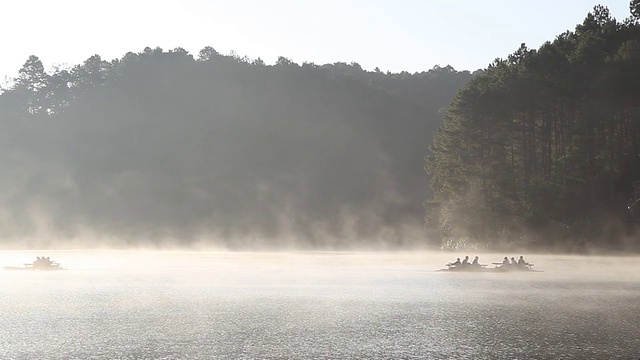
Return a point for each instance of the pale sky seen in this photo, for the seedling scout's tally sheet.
(394, 35)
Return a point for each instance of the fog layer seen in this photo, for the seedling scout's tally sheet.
(159, 145)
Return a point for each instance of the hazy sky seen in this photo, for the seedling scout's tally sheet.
(395, 35)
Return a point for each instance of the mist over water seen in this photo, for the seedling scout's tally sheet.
(323, 305)
(167, 144)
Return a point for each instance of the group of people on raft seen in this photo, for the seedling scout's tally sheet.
(513, 262)
(465, 262)
(505, 262)
(42, 262)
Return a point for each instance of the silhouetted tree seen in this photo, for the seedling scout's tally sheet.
(634, 6)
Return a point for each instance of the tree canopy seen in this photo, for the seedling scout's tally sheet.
(543, 148)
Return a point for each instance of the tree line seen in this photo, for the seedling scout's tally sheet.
(164, 145)
(543, 148)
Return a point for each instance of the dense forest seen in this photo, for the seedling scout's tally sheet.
(161, 146)
(543, 148)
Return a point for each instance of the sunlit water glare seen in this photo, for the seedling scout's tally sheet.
(226, 305)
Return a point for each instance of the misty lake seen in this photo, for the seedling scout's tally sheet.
(316, 305)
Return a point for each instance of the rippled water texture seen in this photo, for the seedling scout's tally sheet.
(220, 305)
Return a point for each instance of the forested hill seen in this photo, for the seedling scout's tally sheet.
(543, 148)
(162, 145)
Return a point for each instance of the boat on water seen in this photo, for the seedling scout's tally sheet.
(465, 267)
(498, 267)
(40, 264)
(514, 267)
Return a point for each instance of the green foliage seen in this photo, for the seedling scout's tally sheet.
(546, 136)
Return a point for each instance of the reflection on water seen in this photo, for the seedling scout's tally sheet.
(184, 305)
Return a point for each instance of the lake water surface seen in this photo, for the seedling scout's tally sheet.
(316, 305)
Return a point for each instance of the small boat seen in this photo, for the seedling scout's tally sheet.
(513, 267)
(465, 267)
(499, 267)
(38, 265)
